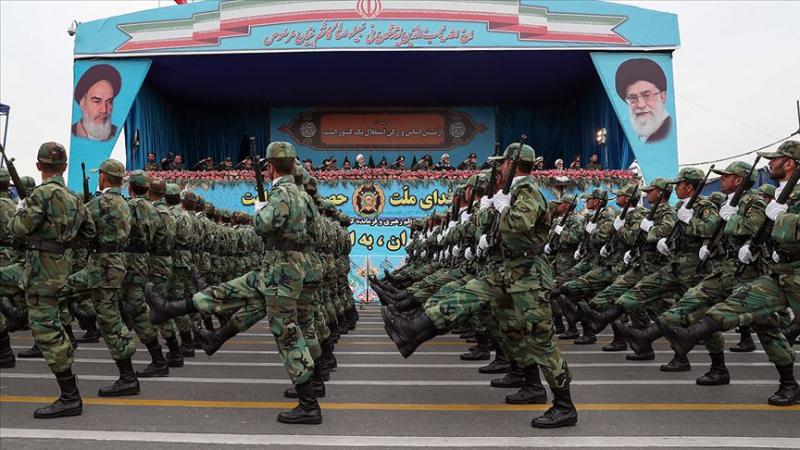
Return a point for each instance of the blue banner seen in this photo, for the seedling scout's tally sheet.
(103, 93)
(642, 93)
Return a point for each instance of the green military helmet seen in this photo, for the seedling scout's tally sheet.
(569, 198)
(4, 175)
(717, 198)
(688, 174)
(766, 189)
(139, 178)
(329, 207)
(281, 150)
(173, 189)
(789, 149)
(738, 168)
(657, 183)
(28, 182)
(111, 167)
(595, 193)
(344, 219)
(52, 153)
(625, 190)
(209, 209)
(188, 196)
(158, 186)
(527, 153)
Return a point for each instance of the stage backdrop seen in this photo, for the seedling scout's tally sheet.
(382, 209)
(320, 133)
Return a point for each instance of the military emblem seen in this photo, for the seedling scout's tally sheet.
(368, 200)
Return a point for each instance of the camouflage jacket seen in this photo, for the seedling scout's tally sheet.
(207, 229)
(746, 222)
(786, 231)
(283, 217)
(523, 225)
(51, 213)
(572, 234)
(184, 236)
(165, 237)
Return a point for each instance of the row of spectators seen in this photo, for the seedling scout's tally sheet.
(425, 163)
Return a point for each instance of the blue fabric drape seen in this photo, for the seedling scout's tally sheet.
(566, 130)
(194, 131)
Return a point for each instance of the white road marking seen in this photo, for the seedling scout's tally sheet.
(284, 381)
(405, 441)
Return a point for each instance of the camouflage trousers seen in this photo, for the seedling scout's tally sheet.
(44, 274)
(11, 286)
(431, 285)
(134, 310)
(306, 306)
(658, 289)
(593, 281)
(274, 291)
(181, 286)
(516, 298)
(160, 273)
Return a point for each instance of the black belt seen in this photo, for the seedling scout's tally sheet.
(787, 257)
(108, 248)
(47, 246)
(136, 249)
(284, 246)
(182, 248)
(6, 243)
(533, 250)
(161, 253)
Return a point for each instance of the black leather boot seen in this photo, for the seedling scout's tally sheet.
(617, 344)
(211, 341)
(683, 339)
(307, 411)
(515, 378)
(127, 384)
(71, 336)
(174, 356)
(69, 403)
(561, 414)
(570, 310)
(331, 356)
(641, 339)
(588, 336)
(792, 332)
(679, 363)
(500, 363)
(7, 360)
(208, 323)
(558, 324)
(482, 351)
(16, 318)
(187, 345)
(342, 324)
(91, 335)
(407, 304)
(316, 382)
(161, 310)
(572, 332)
(718, 374)
(746, 343)
(32, 352)
(532, 393)
(409, 332)
(788, 392)
(599, 320)
(158, 365)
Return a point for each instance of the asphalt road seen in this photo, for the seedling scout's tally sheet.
(378, 399)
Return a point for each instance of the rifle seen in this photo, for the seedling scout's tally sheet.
(556, 238)
(719, 231)
(760, 238)
(622, 215)
(651, 214)
(12, 173)
(680, 228)
(586, 236)
(509, 178)
(262, 196)
(87, 196)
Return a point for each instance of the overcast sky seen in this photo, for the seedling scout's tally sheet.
(737, 73)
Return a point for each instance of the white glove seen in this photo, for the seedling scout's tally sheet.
(260, 205)
(577, 255)
(441, 238)
(704, 253)
(423, 254)
(428, 234)
(501, 201)
(685, 215)
(465, 217)
(456, 251)
(21, 205)
(727, 211)
(486, 202)
(604, 252)
(451, 225)
(558, 230)
(774, 209)
(627, 257)
(745, 255)
(547, 249)
(662, 246)
(778, 191)
(483, 243)
(436, 256)
(468, 254)
(646, 225)
(618, 222)
(590, 227)
(776, 257)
